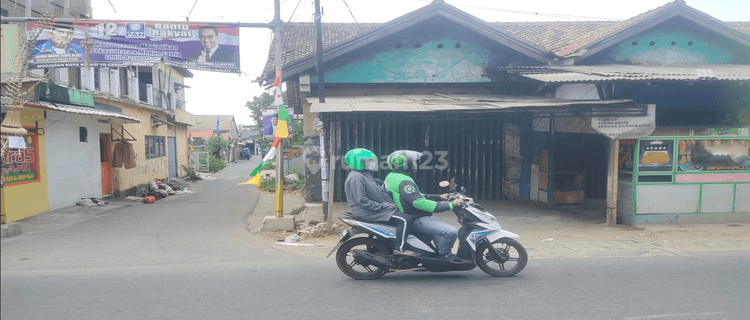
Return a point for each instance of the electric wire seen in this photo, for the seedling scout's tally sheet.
(533, 13)
(369, 45)
(294, 11)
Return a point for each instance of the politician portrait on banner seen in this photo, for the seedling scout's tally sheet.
(191, 45)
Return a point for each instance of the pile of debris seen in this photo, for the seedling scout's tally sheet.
(90, 202)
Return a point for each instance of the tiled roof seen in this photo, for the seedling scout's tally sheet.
(299, 39)
(559, 38)
(208, 122)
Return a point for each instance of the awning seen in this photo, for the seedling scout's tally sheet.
(156, 121)
(466, 103)
(97, 113)
(639, 73)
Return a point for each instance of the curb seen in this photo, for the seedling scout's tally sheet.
(11, 230)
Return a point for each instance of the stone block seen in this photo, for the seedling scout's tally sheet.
(10, 230)
(273, 223)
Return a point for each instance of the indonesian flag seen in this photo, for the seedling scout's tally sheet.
(282, 129)
(255, 175)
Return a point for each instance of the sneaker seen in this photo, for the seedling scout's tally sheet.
(452, 258)
(403, 253)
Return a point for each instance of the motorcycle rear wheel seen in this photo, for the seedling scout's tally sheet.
(514, 257)
(349, 267)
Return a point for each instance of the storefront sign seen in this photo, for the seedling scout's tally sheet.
(190, 45)
(626, 127)
(655, 155)
(21, 165)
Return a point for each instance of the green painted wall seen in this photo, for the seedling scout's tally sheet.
(676, 47)
(427, 63)
(431, 52)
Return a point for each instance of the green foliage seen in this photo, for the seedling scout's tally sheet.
(215, 164)
(192, 175)
(298, 135)
(214, 144)
(270, 184)
(269, 166)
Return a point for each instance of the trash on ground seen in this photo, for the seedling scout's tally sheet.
(205, 176)
(90, 202)
(547, 240)
(292, 238)
(133, 198)
(85, 202)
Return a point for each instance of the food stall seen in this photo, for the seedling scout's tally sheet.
(684, 175)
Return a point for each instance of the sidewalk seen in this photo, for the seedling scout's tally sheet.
(576, 232)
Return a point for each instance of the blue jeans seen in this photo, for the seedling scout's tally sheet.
(443, 234)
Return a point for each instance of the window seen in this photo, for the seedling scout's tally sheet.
(83, 134)
(155, 147)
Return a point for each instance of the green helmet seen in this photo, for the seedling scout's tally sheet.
(404, 161)
(361, 159)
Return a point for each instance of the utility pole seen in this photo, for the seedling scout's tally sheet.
(319, 54)
(280, 147)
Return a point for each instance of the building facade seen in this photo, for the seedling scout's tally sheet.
(507, 108)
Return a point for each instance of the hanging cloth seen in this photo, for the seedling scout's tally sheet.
(123, 155)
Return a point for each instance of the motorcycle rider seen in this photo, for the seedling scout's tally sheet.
(409, 199)
(368, 201)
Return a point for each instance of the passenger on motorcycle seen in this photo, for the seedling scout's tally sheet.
(410, 200)
(368, 201)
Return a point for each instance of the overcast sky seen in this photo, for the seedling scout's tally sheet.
(225, 94)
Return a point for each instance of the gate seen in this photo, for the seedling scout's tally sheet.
(470, 150)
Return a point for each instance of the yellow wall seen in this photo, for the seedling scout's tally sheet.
(147, 170)
(30, 199)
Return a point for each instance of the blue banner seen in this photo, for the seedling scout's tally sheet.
(192, 45)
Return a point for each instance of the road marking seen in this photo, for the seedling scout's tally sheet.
(676, 315)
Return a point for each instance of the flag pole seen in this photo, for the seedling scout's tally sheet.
(280, 150)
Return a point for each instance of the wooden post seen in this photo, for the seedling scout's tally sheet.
(551, 163)
(612, 182)
(332, 131)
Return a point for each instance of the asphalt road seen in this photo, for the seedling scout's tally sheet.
(191, 257)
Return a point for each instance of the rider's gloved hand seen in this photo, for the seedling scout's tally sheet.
(444, 196)
(458, 202)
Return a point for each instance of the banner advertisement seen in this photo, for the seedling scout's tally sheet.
(21, 163)
(271, 117)
(192, 45)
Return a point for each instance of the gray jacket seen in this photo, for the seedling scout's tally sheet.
(367, 201)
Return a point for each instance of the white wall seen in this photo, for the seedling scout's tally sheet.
(73, 167)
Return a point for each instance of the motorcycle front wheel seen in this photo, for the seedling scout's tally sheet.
(350, 267)
(513, 257)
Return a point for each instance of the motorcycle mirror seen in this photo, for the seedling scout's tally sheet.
(463, 190)
(444, 184)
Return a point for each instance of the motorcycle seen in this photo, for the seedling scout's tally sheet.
(482, 243)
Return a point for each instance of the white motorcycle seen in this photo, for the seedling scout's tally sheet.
(482, 242)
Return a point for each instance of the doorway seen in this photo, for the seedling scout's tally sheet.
(106, 162)
(172, 156)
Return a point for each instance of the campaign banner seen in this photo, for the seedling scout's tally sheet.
(192, 45)
(270, 119)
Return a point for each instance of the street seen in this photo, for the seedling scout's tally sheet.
(192, 257)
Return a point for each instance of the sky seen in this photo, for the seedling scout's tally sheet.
(214, 93)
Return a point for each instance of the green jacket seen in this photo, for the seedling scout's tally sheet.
(410, 200)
